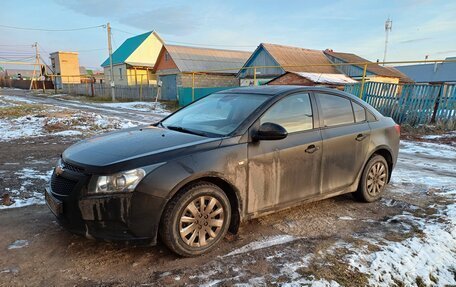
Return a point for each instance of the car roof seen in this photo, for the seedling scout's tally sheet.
(276, 90)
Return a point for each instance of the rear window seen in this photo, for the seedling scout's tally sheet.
(335, 110)
(360, 113)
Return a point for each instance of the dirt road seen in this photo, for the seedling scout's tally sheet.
(334, 242)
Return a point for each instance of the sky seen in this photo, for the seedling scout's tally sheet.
(420, 27)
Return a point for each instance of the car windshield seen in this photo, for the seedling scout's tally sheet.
(214, 115)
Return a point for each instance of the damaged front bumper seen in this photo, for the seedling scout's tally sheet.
(115, 217)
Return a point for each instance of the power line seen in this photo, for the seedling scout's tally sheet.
(89, 50)
(193, 44)
(13, 45)
(51, 30)
(211, 45)
(126, 32)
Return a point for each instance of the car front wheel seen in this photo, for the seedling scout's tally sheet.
(196, 219)
(373, 180)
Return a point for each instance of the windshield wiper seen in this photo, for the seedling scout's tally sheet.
(185, 130)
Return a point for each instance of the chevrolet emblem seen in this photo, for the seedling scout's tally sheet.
(58, 170)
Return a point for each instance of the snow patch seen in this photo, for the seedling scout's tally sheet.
(267, 242)
(68, 133)
(433, 255)
(18, 244)
(346, 218)
(16, 99)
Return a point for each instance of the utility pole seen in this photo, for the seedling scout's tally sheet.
(388, 27)
(113, 89)
(37, 61)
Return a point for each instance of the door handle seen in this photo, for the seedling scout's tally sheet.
(360, 137)
(311, 149)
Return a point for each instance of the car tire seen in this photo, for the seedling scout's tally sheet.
(195, 219)
(373, 180)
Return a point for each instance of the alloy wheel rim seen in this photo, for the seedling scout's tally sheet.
(376, 179)
(202, 221)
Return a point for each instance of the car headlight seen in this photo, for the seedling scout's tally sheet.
(120, 182)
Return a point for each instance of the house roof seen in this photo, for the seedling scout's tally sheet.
(295, 59)
(374, 68)
(193, 59)
(403, 78)
(321, 78)
(429, 73)
(122, 53)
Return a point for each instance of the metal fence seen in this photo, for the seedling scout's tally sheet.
(135, 92)
(413, 104)
(188, 95)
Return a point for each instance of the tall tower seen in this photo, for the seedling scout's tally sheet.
(388, 27)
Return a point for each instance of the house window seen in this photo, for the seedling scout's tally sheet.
(120, 73)
(166, 56)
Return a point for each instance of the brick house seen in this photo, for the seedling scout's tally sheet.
(276, 60)
(374, 72)
(183, 66)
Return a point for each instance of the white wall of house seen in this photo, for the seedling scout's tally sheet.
(120, 74)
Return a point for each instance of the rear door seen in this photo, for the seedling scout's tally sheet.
(284, 171)
(346, 135)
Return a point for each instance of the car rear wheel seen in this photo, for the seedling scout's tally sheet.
(196, 219)
(373, 180)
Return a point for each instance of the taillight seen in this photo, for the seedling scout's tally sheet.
(398, 129)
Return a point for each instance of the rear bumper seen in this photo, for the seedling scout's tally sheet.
(119, 217)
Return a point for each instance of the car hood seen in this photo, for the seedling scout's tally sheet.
(134, 147)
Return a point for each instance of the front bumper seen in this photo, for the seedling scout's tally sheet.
(118, 217)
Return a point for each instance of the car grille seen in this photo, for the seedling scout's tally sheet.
(71, 167)
(61, 185)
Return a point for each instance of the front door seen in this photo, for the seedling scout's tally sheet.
(346, 136)
(284, 171)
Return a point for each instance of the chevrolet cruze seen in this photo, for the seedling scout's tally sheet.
(231, 156)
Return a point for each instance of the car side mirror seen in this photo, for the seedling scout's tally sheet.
(270, 131)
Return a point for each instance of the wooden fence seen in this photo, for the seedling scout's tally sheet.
(135, 93)
(413, 104)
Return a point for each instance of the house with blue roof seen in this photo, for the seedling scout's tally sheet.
(134, 60)
(433, 73)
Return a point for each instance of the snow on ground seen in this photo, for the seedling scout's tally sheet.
(61, 121)
(68, 125)
(431, 257)
(65, 122)
(439, 172)
(441, 136)
(267, 242)
(27, 194)
(18, 244)
(16, 99)
(153, 107)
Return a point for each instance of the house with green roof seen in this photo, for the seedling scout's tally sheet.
(134, 60)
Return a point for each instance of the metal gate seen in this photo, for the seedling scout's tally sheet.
(168, 88)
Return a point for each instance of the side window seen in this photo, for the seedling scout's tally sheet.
(294, 113)
(335, 110)
(360, 113)
(371, 117)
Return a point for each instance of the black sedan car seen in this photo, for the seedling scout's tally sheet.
(226, 158)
